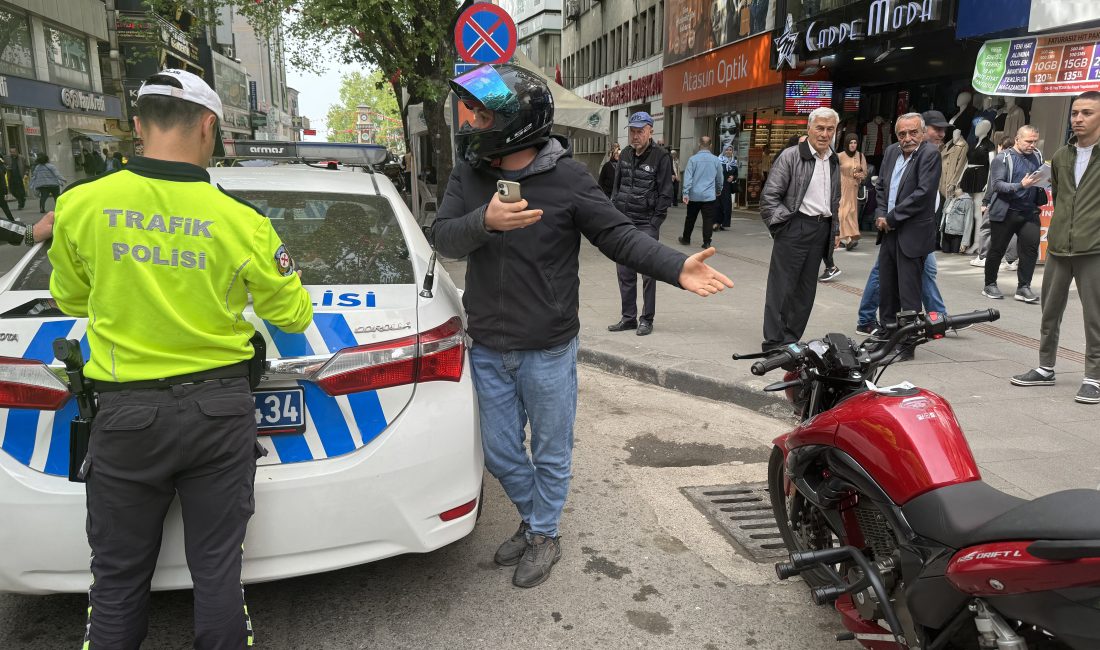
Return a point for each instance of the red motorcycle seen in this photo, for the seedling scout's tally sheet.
(885, 515)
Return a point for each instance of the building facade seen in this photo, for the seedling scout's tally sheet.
(538, 31)
(612, 55)
(264, 57)
(52, 98)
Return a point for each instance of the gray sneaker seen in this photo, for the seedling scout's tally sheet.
(541, 555)
(1089, 394)
(1033, 377)
(991, 291)
(512, 549)
(1025, 294)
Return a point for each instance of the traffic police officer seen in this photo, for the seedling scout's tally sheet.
(162, 263)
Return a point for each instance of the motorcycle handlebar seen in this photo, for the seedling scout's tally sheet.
(925, 328)
(761, 368)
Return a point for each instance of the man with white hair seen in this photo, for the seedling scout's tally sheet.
(906, 216)
(799, 204)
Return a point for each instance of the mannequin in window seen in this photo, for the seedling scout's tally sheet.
(953, 156)
(1010, 119)
(976, 174)
(876, 137)
(987, 112)
(966, 113)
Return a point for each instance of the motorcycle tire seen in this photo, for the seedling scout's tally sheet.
(781, 509)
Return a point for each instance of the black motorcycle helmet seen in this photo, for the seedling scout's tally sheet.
(522, 107)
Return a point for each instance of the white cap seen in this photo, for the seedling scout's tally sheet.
(191, 88)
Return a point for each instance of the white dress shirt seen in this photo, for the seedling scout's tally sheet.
(817, 201)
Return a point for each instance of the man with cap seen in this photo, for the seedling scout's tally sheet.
(522, 283)
(643, 192)
(164, 264)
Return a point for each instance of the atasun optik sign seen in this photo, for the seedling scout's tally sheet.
(82, 101)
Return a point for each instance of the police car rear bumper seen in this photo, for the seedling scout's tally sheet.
(376, 502)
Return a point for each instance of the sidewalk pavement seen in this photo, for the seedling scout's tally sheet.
(1028, 441)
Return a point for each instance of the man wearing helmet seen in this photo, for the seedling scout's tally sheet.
(521, 297)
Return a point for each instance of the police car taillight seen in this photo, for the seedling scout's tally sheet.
(435, 355)
(30, 384)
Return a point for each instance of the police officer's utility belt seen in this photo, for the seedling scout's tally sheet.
(225, 372)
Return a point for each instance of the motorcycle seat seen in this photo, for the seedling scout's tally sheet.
(975, 513)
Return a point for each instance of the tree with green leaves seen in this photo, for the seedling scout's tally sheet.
(375, 92)
(409, 42)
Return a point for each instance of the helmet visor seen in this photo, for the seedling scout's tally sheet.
(485, 86)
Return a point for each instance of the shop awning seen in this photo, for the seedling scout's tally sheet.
(97, 136)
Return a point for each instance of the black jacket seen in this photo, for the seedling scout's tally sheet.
(643, 185)
(607, 176)
(522, 286)
(914, 213)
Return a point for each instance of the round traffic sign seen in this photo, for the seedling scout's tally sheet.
(485, 33)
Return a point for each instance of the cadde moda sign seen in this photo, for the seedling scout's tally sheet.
(816, 36)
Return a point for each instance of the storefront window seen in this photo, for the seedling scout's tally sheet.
(23, 130)
(15, 39)
(67, 54)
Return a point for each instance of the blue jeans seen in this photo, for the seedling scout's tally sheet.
(930, 293)
(540, 386)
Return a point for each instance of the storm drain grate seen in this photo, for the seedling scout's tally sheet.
(743, 510)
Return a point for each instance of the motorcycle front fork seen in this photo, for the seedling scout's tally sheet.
(993, 632)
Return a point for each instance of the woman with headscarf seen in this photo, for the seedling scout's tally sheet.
(607, 172)
(853, 170)
(729, 180)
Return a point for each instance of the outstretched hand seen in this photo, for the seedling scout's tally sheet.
(698, 277)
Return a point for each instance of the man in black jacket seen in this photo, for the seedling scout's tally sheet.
(16, 168)
(522, 286)
(643, 192)
(908, 184)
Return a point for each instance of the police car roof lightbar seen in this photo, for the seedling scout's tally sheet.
(346, 153)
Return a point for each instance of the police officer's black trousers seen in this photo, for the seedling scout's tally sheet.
(147, 446)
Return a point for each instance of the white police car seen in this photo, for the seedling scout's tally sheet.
(369, 416)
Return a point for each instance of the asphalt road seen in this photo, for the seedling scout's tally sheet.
(641, 566)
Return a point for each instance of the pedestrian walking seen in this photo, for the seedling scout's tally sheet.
(853, 171)
(170, 358)
(521, 299)
(17, 169)
(702, 187)
(1014, 210)
(46, 181)
(4, 190)
(982, 245)
(607, 172)
(643, 192)
(729, 185)
(799, 204)
(1073, 249)
(907, 191)
(675, 156)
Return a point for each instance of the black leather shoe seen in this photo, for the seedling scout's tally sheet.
(644, 327)
(685, 242)
(624, 324)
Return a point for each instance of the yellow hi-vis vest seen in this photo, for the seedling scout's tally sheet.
(162, 263)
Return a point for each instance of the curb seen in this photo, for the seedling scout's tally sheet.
(687, 382)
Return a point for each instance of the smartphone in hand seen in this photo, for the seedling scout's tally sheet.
(508, 191)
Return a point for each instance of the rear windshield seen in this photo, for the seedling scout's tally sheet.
(338, 238)
(334, 238)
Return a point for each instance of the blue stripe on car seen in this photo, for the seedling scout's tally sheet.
(327, 418)
(22, 424)
(365, 406)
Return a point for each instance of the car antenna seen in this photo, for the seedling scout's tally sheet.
(429, 278)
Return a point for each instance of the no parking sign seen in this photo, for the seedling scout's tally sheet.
(485, 33)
